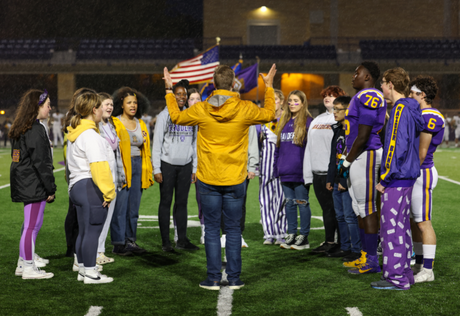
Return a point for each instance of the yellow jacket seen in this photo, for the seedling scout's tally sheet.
(222, 140)
(125, 149)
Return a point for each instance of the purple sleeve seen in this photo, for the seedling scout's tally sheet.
(368, 104)
(433, 123)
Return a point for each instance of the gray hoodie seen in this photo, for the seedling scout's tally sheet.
(173, 144)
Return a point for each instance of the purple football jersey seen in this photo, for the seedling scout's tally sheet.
(367, 107)
(434, 124)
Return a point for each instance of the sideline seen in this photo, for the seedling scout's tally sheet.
(54, 171)
(94, 311)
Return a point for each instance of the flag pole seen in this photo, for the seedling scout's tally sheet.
(257, 93)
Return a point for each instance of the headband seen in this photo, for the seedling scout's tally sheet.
(43, 97)
(415, 89)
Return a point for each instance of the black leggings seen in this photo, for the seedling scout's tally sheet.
(176, 180)
(326, 202)
(87, 198)
(71, 229)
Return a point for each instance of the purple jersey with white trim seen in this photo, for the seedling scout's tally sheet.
(367, 107)
(434, 124)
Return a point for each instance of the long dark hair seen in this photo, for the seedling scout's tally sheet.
(118, 96)
(26, 114)
(71, 111)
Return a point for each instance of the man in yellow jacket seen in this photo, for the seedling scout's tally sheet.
(222, 150)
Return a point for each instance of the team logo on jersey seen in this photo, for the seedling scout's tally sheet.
(16, 155)
(144, 134)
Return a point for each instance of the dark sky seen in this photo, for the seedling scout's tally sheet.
(101, 18)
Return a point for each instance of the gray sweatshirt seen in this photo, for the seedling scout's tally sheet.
(253, 150)
(173, 144)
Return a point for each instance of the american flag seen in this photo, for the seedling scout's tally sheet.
(198, 69)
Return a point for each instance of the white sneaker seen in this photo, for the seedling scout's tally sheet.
(37, 258)
(417, 268)
(92, 276)
(426, 275)
(243, 243)
(223, 241)
(81, 274)
(20, 266)
(268, 241)
(202, 240)
(32, 272)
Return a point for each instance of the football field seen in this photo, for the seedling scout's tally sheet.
(278, 282)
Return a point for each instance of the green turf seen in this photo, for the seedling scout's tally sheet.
(278, 282)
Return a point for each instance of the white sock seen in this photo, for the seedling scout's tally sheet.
(90, 270)
(429, 251)
(80, 265)
(28, 263)
(418, 249)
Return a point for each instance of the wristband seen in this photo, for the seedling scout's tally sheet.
(168, 89)
(346, 163)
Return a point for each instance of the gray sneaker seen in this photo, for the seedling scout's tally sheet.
(301, 243)
(289, 241)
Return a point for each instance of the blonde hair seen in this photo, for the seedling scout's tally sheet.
(280, 95)
(300, 123)
(84, 106)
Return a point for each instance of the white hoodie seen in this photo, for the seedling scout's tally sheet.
(318, 151)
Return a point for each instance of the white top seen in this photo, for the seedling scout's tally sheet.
(456, 119)
(318, 150)
(89, 147)
(57, 119)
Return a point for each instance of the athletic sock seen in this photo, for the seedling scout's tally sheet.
(362, 235)
(371, 243)
(418, 249)
(429, 252)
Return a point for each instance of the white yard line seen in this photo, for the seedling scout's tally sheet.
(225, 299)
(354, 311)
(7, 185)
(94, 311)
(447, 179)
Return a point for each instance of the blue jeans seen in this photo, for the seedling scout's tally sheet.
(296, 194)
(347, 220)
(126, 213)
(215, 202)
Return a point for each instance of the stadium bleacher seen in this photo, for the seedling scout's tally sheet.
(279, 52)
(135, 49)
(433, 49)
(27, 48)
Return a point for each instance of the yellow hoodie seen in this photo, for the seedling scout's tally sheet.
(100, 171)
(222, 140)
(125, 149)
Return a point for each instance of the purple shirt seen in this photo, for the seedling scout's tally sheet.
(288, 163)
(434, 124)
(367, 107)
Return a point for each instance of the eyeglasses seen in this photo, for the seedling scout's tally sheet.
(337, 110)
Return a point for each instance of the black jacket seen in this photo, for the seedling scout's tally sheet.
(31, 172)
(337, 149)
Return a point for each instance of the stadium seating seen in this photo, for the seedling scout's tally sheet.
(135, 49)
(325, 52)
(410, 49)
(27, 48)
